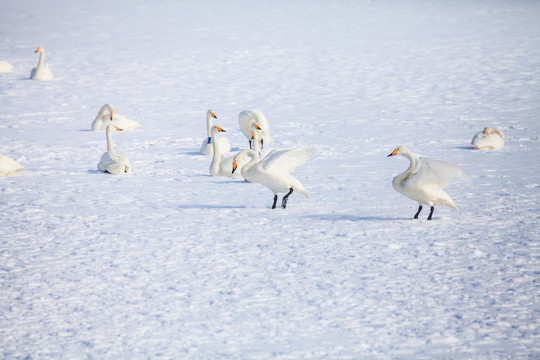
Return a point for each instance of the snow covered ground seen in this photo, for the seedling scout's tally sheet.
(167, 262)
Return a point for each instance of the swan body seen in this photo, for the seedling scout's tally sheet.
(207, 146)
(111, 161)
(8, 166)
(274, 171)
(489, 139)
(41, 71)
(425, 180)
(246, 118)
(221, 165)
(106, 116)
(5, 67)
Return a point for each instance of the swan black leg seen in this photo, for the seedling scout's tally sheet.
(285, 198)
(262, 144)
(275, 201)
(418, 212)
(250, 144)
(431, 213)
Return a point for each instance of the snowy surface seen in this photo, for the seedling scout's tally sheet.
(167, 262)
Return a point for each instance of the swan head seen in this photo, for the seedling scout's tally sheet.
(211, 114)
(489, 130)
(399, 150)
(111, 128)
(39, 50)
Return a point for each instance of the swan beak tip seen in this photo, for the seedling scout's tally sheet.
(234, 166)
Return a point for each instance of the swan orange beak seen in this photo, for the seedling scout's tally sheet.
(38, 50)
(213, 115)
(253, 136)
(234, 167)
(393, 153)
(220, 129)
(257, 127)
(111, 115)
(117, 128)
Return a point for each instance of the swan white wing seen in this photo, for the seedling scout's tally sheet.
(441, 173)
(286, 160)
(123, 123)
(114, 163)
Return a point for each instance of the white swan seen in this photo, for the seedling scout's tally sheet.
(246, 118)
(111, 161)
(5, 67)
(106, 116)
(42, 71)
(489, 139)
(221, 165)
(207, 147)
(425, 180)
(8, 166)
(274, 171)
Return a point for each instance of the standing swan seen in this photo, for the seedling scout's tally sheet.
(221, 166)
(246, 118)
(207, 147)
(425, 180)
(274, 171)
(8, 166)
(488, 139)
(111, 161)
(106, 117)
(42, 71)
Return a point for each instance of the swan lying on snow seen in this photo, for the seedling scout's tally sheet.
(488, 139)
(111, 161)
(425, 180)
(207, 147)
(5, 67)
(106, 117)
(274, 171)
(246, 118)
(8, 166)
(42, 71)
(220, 165)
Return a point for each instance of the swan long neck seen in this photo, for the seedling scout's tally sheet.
(209, 124)
(41, 61)
(405, 175)
(254, 159)
(498, 132)
(109, 140)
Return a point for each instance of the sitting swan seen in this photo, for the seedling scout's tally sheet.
(274, 171)
(246, 118)
(42, 71)
(488, 139)
(207, 147)
(5, 67)
(220, 165)
(8, 166)
(111, 161)
(425, 180)
(106, 117)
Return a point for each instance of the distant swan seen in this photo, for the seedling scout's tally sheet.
(274, 171)
(220, 165)
(42, 71)
(488, 139)
(5, 67)
(111, 161)
(106, 117)
(207, 147)
(8, 166)
(425, 180)
(246, 118)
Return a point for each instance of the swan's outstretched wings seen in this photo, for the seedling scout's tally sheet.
(434, 171)
(286, 160)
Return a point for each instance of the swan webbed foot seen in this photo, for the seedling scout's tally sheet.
(418, 212)
(275, 201)
(431, 213)
(285, 198)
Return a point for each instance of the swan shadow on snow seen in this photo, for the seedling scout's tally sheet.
(346, 217)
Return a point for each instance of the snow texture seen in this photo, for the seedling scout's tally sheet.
(167, 262)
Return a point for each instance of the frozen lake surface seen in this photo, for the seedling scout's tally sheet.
(167, 262)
